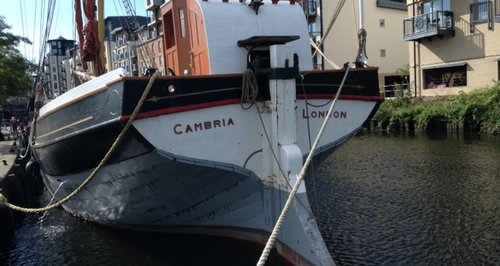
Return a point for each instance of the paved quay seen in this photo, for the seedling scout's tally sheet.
(8, 187)
(16, 186)
(7, 158)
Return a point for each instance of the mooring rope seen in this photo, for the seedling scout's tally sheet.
(281, 219)
(3, 200)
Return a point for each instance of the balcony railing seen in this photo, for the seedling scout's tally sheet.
(439, 23)
(400, 5)
(481, 12)
(152, 19)
(152, 4)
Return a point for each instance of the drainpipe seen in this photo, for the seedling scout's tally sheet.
(414, 55)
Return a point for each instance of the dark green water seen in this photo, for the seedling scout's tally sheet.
(383, 201)
(412, 201)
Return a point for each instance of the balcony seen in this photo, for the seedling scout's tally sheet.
(480, 12)
(152, 20)
(439, 23)
(153, 4)
(393, 4)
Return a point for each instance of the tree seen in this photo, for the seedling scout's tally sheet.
(15, 78)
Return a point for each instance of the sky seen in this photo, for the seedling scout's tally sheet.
(25, 19)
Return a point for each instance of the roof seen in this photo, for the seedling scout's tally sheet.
(61, 38)
(114, 22)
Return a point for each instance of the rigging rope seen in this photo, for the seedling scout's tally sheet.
(318, 50)
(281, 219)
(3, 200)
(339, 7)
(23, 28)
(132, 15)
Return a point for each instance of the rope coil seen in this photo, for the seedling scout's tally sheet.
(249, 89)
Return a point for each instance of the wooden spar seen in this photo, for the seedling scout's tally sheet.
(100, 27)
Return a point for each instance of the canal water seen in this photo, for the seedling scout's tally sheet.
(381, 200)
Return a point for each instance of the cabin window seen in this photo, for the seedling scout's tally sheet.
(182, 21)
(455, 76)
(169, 28)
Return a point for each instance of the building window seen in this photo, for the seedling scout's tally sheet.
(382, 52)
(479, 11)
(169, 30)
(435, 5)
(182, 22)
(455, 76)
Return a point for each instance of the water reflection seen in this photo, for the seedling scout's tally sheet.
(57, 238)
(412, 200)
(408, 200)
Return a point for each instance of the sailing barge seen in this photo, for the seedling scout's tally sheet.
(215, 147)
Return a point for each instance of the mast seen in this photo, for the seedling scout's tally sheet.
(362, 26)
(100, 29)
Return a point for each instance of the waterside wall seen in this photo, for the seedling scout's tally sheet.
(16, 186)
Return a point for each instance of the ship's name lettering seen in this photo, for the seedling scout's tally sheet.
(323, 114)
(180, 129)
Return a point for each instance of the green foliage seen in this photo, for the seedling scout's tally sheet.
(478, 110)
(14, 68)
(403, 71)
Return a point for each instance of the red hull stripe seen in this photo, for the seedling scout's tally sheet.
(192, 107)
(343, 97)
(186, 108)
